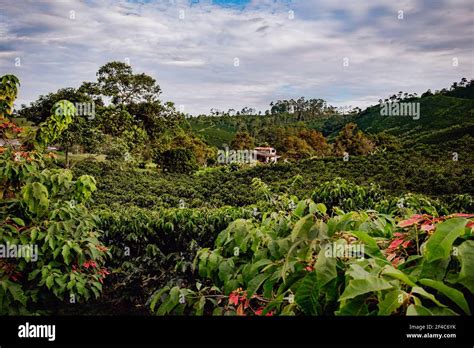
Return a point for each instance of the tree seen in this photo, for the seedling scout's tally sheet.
(297, 148)
(8, 93)
(72, 135)
(40, 110)
(242, 141)
(41, 207)
(117, 80)
(177, 160)
(114, 120)
(201, 152)
(316, 140)
(427, 93)
(352, 141)
(156, 117)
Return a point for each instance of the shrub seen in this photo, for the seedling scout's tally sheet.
(45, 221)
(178, 160)
(356, 263)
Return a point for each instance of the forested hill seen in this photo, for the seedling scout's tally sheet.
(443, 115)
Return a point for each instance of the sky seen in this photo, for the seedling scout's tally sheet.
(233, 53)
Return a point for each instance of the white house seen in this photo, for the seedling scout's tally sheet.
(266, 154)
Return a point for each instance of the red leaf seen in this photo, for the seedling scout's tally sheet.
(411, 221)
(391, 256)
(463, 215)
(240, 310)
(427, 227)
(234, 299)
(395, 261)
(260, 311)
(395, 243)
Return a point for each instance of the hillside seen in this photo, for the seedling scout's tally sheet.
(438, 114)
(443, 117)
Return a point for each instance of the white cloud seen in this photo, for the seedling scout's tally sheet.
(192, 58)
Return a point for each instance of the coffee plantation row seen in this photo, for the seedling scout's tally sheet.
(382, 234)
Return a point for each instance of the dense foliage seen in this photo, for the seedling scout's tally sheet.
(364, 218)
(50, 249)
(356, 263)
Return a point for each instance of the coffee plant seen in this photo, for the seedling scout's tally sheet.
(355, 263)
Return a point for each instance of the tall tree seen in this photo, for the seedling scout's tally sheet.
(117, 80)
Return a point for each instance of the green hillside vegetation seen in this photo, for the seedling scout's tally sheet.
(447, 114)
(143, 220)
(437, 113)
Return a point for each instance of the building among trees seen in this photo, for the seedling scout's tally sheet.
(266, 154)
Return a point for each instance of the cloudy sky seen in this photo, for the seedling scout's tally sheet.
(229, 54)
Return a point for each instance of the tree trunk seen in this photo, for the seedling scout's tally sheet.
(66, 164)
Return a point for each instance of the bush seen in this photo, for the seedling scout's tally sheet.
(150, 248)
(116, 150)
(356, 263)
(178, 160)
(44, 219)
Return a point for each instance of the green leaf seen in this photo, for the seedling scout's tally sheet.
(36, 197)
(434, 270)
(66, 252)
(391, 301)
(325, 268)
(200, 306)
(443, 311)
(454, 295)
(32, 275)
(420, 291)
(96, 292)
(225, 270)
(19, 221)
(397, 274)
(354, 307)
(321, 208)
(300, 208)
(50, 281)
(302, 227)
(466, 257)
(307, 295)
(418, 310)
(17, 292)
(230, 286)
(440, 243)
(255, 284)
(356, 271)
(171, 302)
(358, 287)
(217, 311)
(157, 296)
(370, 245)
